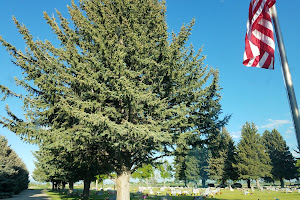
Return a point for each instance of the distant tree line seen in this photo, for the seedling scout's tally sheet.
(255, 157)
(13, 172)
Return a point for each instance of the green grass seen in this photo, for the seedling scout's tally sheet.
(226, 195)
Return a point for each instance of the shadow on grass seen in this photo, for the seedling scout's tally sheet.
(57, 195)
(74, 196)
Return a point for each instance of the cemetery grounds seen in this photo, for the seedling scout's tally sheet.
(172, 193)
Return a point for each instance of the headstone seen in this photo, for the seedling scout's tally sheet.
(178, 192)
(195, 191)
(185, 192)
(288, 190)
(207, 192)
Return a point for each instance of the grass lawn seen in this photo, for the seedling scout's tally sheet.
(235, 195)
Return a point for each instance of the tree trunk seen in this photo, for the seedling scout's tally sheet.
(86, 189)
(203, 182)
(63, 185)
(122, 181)
(248, 183)
(97, 184)
(164, 182)
(71, 187)
(281, 183)
(223, 181)
(185, 182)
(257, 183)
(52, 185)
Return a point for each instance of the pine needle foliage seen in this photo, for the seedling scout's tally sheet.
(117, 82)
(253, 162)
(193, 166)
(282, 160)
(222, 158)
(13, 172)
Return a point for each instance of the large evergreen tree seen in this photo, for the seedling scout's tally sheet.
(282, 160)
(115, 83)
(13, 172)
(253, 162)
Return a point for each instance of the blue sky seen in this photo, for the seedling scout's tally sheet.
(249, 94)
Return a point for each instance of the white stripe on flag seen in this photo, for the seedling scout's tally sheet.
(263, 60)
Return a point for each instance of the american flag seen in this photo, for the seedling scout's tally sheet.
(260, 45)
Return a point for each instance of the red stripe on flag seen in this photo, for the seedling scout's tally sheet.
(248, 52)
(267, 63)
(259, 41)
(262, 46)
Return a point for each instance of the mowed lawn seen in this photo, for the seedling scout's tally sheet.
(226, 195)
(261, 195)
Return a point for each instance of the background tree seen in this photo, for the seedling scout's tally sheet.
(252, 160)
(165, 170)
(50, 167)
(180, 164)
(298, 167)
(115, 83)
(65, 165)
(282, 160)
(144, 173)
(192, 171)
(100, 179)
(193, 166)
(203, 164)
(13, 172)
(222, 159)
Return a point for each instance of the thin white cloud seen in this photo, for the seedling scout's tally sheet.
(290, 130)
(274, 124)
(236, 134)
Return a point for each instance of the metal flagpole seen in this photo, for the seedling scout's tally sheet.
(287, 75)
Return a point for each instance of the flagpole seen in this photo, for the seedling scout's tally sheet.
(287, 75)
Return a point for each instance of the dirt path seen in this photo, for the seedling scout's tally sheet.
(31, 195)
